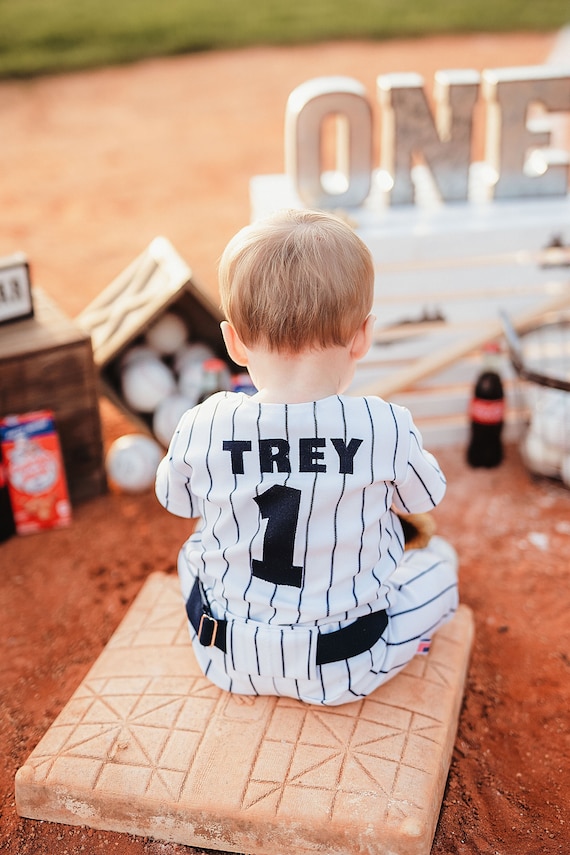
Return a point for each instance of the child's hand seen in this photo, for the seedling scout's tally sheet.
(418, 529)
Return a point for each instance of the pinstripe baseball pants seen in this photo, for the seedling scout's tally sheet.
(281, 660)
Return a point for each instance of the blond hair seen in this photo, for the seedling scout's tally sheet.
(296, 280)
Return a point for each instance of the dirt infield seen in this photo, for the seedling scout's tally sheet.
(96, 164)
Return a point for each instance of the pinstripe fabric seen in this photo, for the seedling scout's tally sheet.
(295, 531)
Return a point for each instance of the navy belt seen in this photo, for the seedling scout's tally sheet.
(358, 636)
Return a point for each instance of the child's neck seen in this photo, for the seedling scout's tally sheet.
(298, 378)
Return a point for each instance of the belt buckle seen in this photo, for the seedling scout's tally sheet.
(207, 630)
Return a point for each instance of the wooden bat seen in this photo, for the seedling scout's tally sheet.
(555, 255)
(439, 359)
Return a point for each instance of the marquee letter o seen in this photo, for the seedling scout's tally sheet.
(307, 108)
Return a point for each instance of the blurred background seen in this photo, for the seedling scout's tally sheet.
(43, 36)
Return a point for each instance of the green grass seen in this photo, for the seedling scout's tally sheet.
(45, 36)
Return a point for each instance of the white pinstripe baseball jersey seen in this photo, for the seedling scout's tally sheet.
(296, 529)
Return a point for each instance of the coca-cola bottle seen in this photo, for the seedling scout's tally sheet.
(486, 414)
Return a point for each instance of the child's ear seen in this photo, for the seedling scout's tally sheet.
(363, 339)
(234, 344)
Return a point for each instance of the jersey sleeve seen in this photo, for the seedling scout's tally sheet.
(173, 477)
(420, 484)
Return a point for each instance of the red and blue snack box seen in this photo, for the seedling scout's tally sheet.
(34, 471)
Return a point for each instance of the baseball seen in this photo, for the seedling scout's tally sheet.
(167, 415)
(167, 334)
(191, 380)
(551, 419)
(131, 463)
(145, 383)
(136, 354)
(540, 457)
(191, 352)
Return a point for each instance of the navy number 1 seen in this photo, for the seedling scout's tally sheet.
(280, 507)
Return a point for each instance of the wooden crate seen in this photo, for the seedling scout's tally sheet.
(158, 280)
(46, 362)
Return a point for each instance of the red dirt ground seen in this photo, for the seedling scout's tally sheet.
(94, 165)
